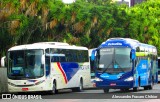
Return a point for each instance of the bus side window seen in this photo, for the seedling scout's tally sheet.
(62, 59)
(47, 63)
(55, 59)
(47, 66)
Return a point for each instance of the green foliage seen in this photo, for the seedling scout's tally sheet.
(144, 22)
(84, 22)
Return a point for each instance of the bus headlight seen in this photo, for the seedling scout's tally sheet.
(11, 84)
(129, 79)
(39, 82)
(98, 79)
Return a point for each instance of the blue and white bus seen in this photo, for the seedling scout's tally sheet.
(124, 63)
(92, 64)
(48, 66)
(158, 69)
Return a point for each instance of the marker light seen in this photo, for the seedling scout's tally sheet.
(98, 79)
(129, 79)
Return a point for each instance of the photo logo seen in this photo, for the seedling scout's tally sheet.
(13, 96)
(6, 96)
(115, 43)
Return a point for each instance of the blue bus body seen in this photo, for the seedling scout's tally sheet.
(124, 63)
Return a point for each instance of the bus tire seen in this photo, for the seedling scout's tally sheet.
(54, 89)
(151, 86)
(135, 89)
(145, 87)
(80, 88)
(106, 90)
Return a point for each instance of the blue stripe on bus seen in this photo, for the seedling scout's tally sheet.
(70, 69)
(111, 76)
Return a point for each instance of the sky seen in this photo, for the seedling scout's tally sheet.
(68, 1)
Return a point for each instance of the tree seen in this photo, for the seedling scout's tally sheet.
(84, 22)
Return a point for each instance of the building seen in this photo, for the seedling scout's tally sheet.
(128, 2)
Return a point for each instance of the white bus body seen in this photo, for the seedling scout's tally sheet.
(60, 66)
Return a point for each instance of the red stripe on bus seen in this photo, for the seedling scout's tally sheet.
(64, 76)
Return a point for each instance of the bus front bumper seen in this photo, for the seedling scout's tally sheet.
(114, 84)
(33, 88)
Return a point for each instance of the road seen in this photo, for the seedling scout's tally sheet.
(97, 95)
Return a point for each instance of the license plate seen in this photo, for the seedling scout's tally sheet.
(25, 89)
(113, 84)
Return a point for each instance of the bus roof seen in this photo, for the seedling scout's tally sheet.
(124, 42)
(53, 43)
(44, 45)
(127, 39)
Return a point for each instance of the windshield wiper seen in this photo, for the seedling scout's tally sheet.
(107, 67)
(119, 66)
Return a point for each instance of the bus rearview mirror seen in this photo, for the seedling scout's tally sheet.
(93, 55)
(3, 61)
(132, 54)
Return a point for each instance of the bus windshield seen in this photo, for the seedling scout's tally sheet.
(113, 60)
(25, 64)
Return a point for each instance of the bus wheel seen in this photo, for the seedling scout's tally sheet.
(151, 86)
(54, 90)
(80, 88)
(135, 89)
(106, 90)
(145, 87)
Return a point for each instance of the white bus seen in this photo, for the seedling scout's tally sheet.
(47, 66)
